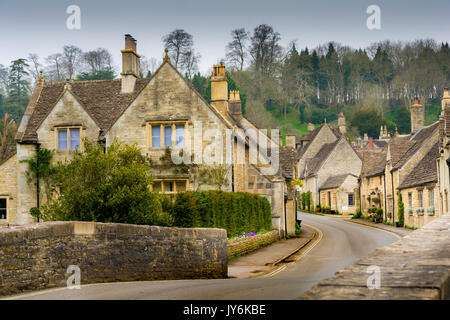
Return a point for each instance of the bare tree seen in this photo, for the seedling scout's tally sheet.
(35, 65)
(4, 75)
(236, 49)
(71, 60)
(178, 42)
(99, 59)
(189, 62)
(55, 68)
(265, 48)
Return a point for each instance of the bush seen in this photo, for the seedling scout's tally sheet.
(106, 187)
(297, 228)
(236, 212)
(401, 210)
(357, 215)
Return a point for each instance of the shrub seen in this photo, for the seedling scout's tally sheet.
(401, 210)
(110, 186)
(357, 215)
(237, 212)
(297, 228)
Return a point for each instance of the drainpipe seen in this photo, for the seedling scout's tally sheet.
(393, 198)
(385, 203)
(284, 209)
(37, 178)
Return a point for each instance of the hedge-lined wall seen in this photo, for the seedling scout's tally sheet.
(236, 212)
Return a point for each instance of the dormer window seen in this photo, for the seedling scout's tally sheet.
(68, 138)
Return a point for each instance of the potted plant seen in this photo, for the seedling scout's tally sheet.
(430, 210)
(389, 215)
(318, 208)
(379, 215)
(419, 211)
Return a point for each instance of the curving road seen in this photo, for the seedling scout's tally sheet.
(341, 244)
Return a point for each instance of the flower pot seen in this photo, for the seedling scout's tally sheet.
(397, 224)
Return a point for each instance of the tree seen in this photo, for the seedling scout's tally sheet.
(265, 49)
(111, 186)
(189, 62)
(105, 74)
(18, 84)
(98, 60)
(36, 66)
(179, 43)
(55, 69)
(236, 49)
(4, 75)
(71, 60)
(402, 118)
(367, 120)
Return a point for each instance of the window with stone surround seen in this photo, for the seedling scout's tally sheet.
(430, 197)
(163, 134)
(420, 194)
(169, 186)
(3, 208)
(68, 138)
(351, 199)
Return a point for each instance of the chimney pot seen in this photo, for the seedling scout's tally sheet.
(371, 143)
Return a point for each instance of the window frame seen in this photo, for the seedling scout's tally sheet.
(352, 195)
(6, 208)
(174, 181)
(68, 128)
(162, 124)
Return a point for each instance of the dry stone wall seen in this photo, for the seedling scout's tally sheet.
(37, 256)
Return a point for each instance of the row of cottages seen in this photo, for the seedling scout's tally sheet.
(162, 112)
(406, 170)
(443, 161)
(329, 167)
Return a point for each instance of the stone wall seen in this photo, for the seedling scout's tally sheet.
(414, 267)
(8, 189)
(241, 246)
(37, 256)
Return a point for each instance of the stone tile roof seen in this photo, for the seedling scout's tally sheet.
(415, 141)
(335, 181)
(425, 171)
(102, 100)
(11, 150)
(310, 137)
(373, 162)
(287, 161)
(313, 165)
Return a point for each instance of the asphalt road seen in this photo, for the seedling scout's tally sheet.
(341, 244)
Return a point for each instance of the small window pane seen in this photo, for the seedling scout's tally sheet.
(181, 185)
(167, 136)
(168, 186)
(431, 197)
(3, 208)
(74, 139)
(350, 199)
(62, 139)
(180, 135)
(156, 137)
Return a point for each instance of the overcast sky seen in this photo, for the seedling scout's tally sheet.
(39, 26)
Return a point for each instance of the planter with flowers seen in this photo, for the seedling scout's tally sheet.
(410, 211)
(430, 210)
(419, 211)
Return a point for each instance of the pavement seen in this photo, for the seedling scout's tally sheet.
(265, 259)
(341, 244)
(398, 231)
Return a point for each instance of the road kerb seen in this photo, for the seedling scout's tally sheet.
(378, 228)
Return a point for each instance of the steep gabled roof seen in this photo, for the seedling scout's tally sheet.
(313, 166)
(415, 142)
(310, 136)
(373, 162)
(11, 150)
(102, 100)
(335, 181)
(425, 171)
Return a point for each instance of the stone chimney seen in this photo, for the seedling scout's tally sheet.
(130, 65)
(341, 123)
(417, 116)
(235, 104)
(370, 143)
(290, 140)
(445, 98)
(310, 127)
(219, 89)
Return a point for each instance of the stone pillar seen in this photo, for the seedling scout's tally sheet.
(26, 192)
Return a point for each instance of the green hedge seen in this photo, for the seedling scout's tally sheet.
(237, 212)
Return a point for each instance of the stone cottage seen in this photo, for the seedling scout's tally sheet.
(329, 167)
(162, 115)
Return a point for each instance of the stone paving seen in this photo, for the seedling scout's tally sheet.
(264, 259)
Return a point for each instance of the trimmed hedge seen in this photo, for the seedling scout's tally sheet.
(236, 212)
